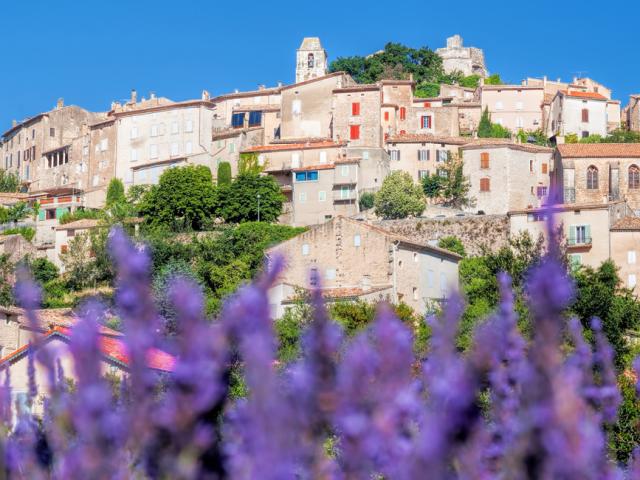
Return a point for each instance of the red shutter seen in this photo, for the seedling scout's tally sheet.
(427, 104)
(354, 132)
(386, 116)
(403, 113)
(355, 108)
(585, 114)
(403, 132)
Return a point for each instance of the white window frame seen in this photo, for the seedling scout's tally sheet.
(305, 249)
(134, 154)
(631, 257)
(153, 151)
(357, 240)
(322, 196)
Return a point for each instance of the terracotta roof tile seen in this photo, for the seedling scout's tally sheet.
(427, 138)
(588, 95)
(292, 146)
(599, 150)
(323, 166)
(505, 142)
(79, 224)
(627, 223)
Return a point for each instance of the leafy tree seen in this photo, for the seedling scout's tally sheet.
(399, 197)
(470, 81)
(224, 173)
(493, 80)
(43, 270)
(427, 90)
(135, 194)
(571, 138)
(161, 286)
(432, 185)
(9, 182)
(367, 200)
(453, 244)
(115, 192)
(80, 270)
(455, 186)
(249, 163)
(89, 213)
(6, 277)
(537, 137)
(624, 435)
(484, 127)
(15, 213)
(184, 198)
(27, 232)
(248, 193)
(621, 135)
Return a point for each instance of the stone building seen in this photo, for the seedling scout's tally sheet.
(457, 58)
(311, 60)
(515, 107)
(357, 115)
(579, 113)
(625, 250)
(506, 176)
(598, 173)
(354, 259)
(43, 150)
(633, 113)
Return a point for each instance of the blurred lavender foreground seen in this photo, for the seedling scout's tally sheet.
(362, 409)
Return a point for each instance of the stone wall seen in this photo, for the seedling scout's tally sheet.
(473, 231)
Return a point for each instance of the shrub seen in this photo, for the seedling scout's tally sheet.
(43, 270)
(367, 200)
(82, 214)
(27, 232)
(115, 193)
(453, 244)
(224, 173)
(399, 197)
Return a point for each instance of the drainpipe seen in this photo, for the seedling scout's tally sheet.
(395, 273)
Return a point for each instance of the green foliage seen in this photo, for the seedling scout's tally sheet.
(571, 138)
(82, 214)
(427, 90)
(240, 201)
(399, 197)
(184, 199)
(470, 81)
(432, 185)
(43, 270)
(135, 194)
(487, 129)
(224, 173)
(27, 232)
(493, 80)
(595, 138)
(248, 164)
(624, 435)
(367, 200)
(15, 213)
(9, 182)
(455, 186)
(161, 286)
(622, 136)
(80, 270)
(115, 192)
(354, 316)
(538, 137)
(55, 294)
(453, 244)
(6, 276)
(289, 328)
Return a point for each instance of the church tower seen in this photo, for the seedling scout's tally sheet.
(311, 60)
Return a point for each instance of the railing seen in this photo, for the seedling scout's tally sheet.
(569, 195)
(340, 196)
(579, 241)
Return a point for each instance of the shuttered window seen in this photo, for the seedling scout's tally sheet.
(355, 108)
(484, 160)
(354, 132)
(485, 185)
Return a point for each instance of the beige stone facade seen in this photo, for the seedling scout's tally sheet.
(311, 60)
(633, 113)
(361, 259)
(515, 107)
(458, 58)
(598, 173)
(579, 113)
(506, 176)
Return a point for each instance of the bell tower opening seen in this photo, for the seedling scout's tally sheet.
(311, 61)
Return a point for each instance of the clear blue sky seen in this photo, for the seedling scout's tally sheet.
(94, 51)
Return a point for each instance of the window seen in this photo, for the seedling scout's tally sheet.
(585, 134)
(425, 121)
(415, 293)
(357, 241)
(134, 154)
(330, 273)
(531, 166)
(52, 132)
(232, 147)
(365, 155)
(310, 175)
(579, 235)
(104, 144)
(519, 122)
(255, 119)
(519, 105)
(585, 114)
(153, 151)
(345, 193)
(427, 104)
(403, 113)
(95, 180)
(261, 160)
(499, 106)
(386, 116)
(154, 130)
(634, 177)
(484, 160)
(311, 61)
(631, 280)
(423, 155)
(442, 156)
(134, 132)
(188, 126)
(295, 160)
(237, 120)
(354, 132)
(188, 148)
(631, 257)
(541, 191)
(305, 249)
(303, 197)
(485, 185)
(423, 174)
(443, 284)
(592, 178)
(322, 196)
(575, 260)
(323, 157)
(174, 149)
(545, 168)
(174, 127)
(394, 154)
(296, 107)
(355, 108)
(344, 170)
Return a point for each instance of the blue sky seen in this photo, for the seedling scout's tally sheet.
(92, 52)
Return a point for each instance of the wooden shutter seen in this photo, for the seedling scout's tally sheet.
(403, 113)
(544, 168)
(386, 116)
(354, 133)
(585, 114)
(572, 235)
(355, 108)
(484, 160)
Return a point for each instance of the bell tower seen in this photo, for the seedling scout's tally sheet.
(311, 60)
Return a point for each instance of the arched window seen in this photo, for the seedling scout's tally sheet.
(592, 178)
(634, 177)
(311, 60)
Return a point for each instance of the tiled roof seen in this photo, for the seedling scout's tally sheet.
(292, 146)
(110, 347)
(313, 80)
(627, 223)
(587, 95)
(358, 88)
(322, 166)
(79, 224)
(505, 142)
(256, 108)
(512, 87)
(427, 138)
(250, 93)
(345, 292)
(599, 150)
(231, 132)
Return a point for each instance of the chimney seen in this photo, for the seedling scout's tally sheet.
(235, 90)
(206, 95)
(152, 95)
(575, 79)
(279, 84)
(60, 103)
(544, 81)
(14, 123)
(481, 81)
(261, 87)
(134, 96)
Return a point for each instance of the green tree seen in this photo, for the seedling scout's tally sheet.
(184, 198)
(432, 185)
(453, 244)
(115, 192)
(9, 182)
(89, 213)
(399, 197)
(135, 194)
(455, 186)
(249, 163)
(622, 136)
(6, 277)
(571, 138)
(484, 127)
(43, 270)
(80, 269)
(224, 173)
(493, 80)
(161, 286)
(367, 200)
(427, 90)
(249, 194)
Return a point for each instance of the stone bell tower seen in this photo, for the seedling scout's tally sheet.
(311, 60)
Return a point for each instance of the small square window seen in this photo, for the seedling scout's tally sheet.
(356, 240)
(631, 257)
(305, 249)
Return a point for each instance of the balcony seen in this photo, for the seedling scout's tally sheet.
(344, 196)
(579, 242)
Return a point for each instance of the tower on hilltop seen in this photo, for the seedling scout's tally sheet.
(311, 60)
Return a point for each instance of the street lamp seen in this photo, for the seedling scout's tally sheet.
(258, 195)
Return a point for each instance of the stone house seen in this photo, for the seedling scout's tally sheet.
(633, 113)
(54, 203)
(421, 154)
(354, 259)
(515, 107)
(458, 58)
(102, 161)
(41, 149)
(625, 249)
(65, 233)
(506, 176)
(598, 173)
(577, 112)
(357, 115)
